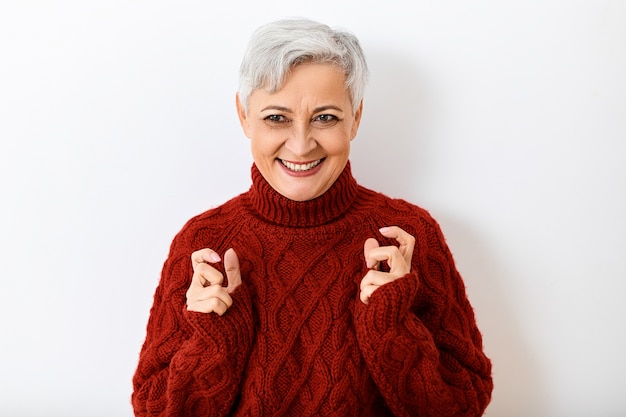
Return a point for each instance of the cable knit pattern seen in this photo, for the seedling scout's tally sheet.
(297, 340)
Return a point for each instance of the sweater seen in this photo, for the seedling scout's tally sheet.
(297, 340)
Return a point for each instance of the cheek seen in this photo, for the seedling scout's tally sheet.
(266, 141)
(341, 147)
(335, 142)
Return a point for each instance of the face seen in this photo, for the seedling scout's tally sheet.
(300, 135)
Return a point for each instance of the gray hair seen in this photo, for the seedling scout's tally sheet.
(275, 48)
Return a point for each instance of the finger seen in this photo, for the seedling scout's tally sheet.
(375, 278)
(370, 244)
(196, 291)
(205, 255)
(212, 305)
(391, 254)
(233, 273)
(206, 293)
(207, 275)
(371, 282)
(404, 239)
(366, 293)
(203, 296)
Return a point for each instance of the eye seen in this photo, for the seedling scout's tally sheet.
(325, 120)
(276, 119)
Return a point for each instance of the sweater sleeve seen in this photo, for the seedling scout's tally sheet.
(420, 340)
(190, 363)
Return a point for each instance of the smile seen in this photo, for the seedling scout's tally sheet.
(300, 167)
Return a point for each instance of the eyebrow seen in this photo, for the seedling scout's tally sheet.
(316, 110)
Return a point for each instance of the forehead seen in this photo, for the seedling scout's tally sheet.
(309, 82)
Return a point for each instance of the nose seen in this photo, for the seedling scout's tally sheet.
(300, 140)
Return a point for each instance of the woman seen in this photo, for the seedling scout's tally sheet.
(309, 294)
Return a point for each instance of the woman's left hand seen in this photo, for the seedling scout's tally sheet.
(398, 259)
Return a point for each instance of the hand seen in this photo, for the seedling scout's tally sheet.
(398, 259)
(206, 294)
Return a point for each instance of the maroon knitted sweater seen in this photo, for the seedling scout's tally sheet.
(297, 340)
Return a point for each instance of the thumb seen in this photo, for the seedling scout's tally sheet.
(370, 244)
(231, 266)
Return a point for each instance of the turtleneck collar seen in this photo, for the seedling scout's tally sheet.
(278, 209)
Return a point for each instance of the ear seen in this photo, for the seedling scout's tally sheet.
(356, 121)
(243, 117)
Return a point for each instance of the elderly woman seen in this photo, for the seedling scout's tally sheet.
(309, 294)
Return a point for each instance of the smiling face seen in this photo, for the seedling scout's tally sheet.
(300, 135)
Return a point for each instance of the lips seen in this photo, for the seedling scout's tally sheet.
(300, 167)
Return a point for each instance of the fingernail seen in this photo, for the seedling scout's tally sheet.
(215, 257)
(383, 229)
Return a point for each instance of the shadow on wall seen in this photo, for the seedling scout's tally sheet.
(388, 154)
(391, 155)
(519, 383)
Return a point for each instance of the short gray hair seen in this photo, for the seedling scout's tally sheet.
(275, 48)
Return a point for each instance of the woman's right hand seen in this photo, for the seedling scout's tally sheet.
(206, 294)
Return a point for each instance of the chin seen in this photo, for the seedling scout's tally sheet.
(296, 189)
(301, 195)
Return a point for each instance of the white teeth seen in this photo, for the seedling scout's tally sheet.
(301, 167)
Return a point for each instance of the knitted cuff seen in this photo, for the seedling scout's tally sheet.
(389, 304)
(229, 332)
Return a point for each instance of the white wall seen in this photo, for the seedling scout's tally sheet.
(507, 120)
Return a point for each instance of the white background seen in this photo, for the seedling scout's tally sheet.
(505, 119)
